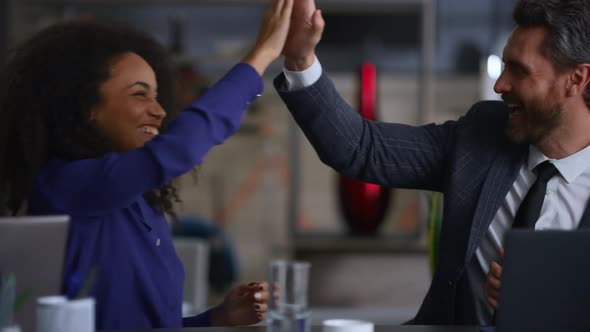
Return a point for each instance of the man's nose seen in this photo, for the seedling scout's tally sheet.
(502, 85)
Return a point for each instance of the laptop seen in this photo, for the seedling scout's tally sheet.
(33, 248)
(545, 281)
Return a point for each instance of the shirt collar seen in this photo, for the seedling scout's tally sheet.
(569, 167)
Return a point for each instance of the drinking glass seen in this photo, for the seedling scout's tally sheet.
(288, 311)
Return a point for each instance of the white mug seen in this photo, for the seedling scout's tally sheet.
(58, 314)
(346, 325)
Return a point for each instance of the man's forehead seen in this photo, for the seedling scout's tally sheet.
(525, 39)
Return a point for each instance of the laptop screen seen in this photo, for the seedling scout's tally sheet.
(33, 248)
(545, 281)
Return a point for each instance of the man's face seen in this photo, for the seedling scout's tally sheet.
(531, 87)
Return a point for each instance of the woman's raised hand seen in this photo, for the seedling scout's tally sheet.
(271, 35)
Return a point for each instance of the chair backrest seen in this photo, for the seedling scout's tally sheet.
(194, 255)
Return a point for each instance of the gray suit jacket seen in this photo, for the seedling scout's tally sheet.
(470, 160)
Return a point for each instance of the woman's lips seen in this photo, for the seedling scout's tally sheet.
(150, 130)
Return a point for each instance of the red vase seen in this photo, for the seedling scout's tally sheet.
(364, 205)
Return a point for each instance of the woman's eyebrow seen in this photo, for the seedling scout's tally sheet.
(140, 83)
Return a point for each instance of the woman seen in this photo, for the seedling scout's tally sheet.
(87, 131)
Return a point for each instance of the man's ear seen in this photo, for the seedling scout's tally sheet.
(578, 80)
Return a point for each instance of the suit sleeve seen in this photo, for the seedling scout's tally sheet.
(115, 180)
(389, 154)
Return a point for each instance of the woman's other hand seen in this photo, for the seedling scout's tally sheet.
(245, 304)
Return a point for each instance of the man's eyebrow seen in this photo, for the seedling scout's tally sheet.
(518, 64)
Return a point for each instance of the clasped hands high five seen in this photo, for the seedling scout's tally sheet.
(291, 28)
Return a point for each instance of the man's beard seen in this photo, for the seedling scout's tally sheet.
(539, 119)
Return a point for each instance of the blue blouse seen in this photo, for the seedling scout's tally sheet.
(139, 278)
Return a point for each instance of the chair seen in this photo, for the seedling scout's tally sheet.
(194, 255)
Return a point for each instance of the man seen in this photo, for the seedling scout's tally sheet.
(485, 163)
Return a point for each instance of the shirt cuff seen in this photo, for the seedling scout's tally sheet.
(302, 79)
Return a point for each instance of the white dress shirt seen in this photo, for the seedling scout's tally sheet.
(565, 201)
(301, 79)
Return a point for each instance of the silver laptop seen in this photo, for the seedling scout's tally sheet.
(545, 281)
(33, 249)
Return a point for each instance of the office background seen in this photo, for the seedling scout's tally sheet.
(265, 187)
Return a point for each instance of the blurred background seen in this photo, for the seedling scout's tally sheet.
(264, 194)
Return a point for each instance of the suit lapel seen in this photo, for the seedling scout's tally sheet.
(499, 180)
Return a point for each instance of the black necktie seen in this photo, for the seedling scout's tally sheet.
(530, 208)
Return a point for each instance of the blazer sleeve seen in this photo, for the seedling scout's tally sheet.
(94, 185)
(389, 154)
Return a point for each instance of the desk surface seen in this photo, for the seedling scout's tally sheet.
(378, 328)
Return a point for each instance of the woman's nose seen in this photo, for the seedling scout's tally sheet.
(157, 111)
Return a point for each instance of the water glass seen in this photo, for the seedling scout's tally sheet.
(289, 284)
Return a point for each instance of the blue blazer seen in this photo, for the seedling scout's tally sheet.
(470, 160)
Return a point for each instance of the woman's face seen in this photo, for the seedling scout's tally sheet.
(129, 113)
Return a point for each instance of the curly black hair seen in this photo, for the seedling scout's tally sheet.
(48, 88)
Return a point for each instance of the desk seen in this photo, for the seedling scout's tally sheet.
(378, 328)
